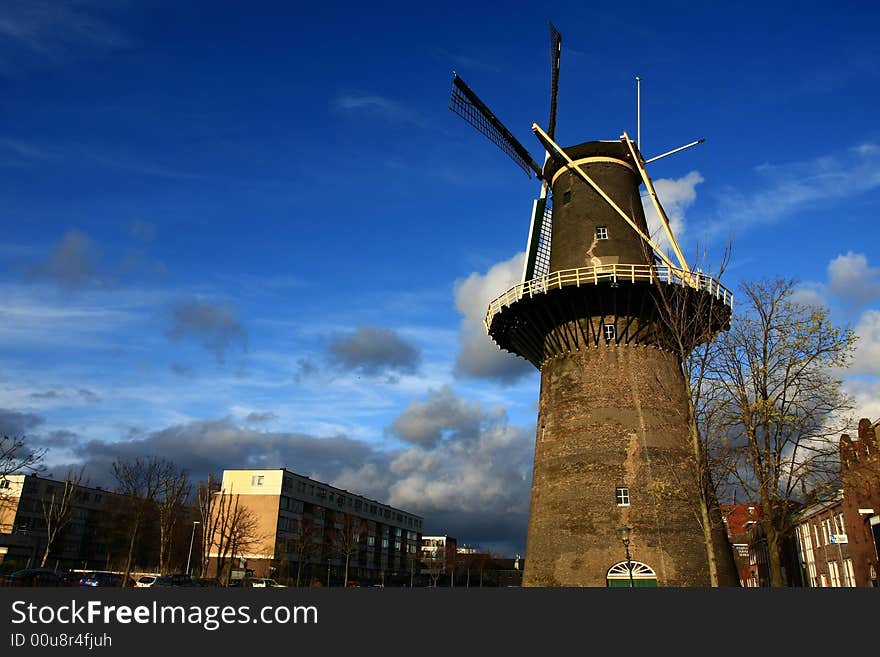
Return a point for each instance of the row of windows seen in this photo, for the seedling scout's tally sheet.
(828, 531)
(341, 500)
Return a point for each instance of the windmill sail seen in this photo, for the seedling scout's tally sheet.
(468, 106)
(555, 58)
(537, 262)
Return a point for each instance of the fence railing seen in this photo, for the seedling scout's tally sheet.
(612, 273)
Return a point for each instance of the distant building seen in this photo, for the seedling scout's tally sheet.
(860, 477)
(739, 520)
(304, 529)
(83, 542)
(823, 545)
(838, 538)
(439, 556)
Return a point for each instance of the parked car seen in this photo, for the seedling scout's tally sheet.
(179, 579)
(33, 577)
(70, 578)
(145, 581)
(103, 578)
(265, 582)
(206, 581)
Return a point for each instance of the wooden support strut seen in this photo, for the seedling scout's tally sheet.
(653, 194)
(542, 136)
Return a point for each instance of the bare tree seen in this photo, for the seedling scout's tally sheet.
(348, 538)
(243, 534)
(780, 406)
(17, 458)
(210, 518)
(140, 482)
(233, 529)
(691, 316)
(433, 563)
(224, 508)
(58, 510)
(303, 543)
(173, 493)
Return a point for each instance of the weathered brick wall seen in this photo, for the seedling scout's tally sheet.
(613, 416)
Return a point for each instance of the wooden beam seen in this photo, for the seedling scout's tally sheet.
(653, 194)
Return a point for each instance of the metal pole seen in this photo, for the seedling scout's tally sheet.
(639, 112)
(674, 150)
(629, 566)
(191, 540)
(328, 573)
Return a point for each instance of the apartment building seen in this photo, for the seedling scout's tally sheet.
(85, 540)
(306, 531)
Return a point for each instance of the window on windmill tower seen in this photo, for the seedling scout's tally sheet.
(610, 332)
(566, 197)
(601, 232)
(622, 495)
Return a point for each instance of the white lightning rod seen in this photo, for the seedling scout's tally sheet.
(639, 112)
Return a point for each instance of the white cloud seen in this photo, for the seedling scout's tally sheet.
(788, 188)
(867, 356)
(809, 294)
(867, 398)
(850, 277)
(676, 196)
(376, 105)
(478, 356)
(484, 465)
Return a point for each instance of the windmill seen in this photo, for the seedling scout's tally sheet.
(612, 437)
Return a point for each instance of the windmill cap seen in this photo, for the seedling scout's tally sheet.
(612, 149)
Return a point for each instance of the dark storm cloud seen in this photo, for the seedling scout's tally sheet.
(48, 394)
(72, 263)
(181, 370)
(257, 417)
(503, 533)
(83, 393)
(59, 439)
(215, 445)
(16, 424)
(305, 369)
(373, 350)
(467, 470)
(215, 326)
(443, 414)
(88, 396)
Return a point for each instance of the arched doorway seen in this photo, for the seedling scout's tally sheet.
(642, 576)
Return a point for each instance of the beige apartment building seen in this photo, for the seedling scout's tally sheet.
(295, 529)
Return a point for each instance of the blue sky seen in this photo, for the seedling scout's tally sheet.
(257, 236)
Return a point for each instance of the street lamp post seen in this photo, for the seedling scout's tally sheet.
(624, 531)
(191, 539)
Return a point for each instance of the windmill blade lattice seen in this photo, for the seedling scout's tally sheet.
(555, 58)
(468, 106)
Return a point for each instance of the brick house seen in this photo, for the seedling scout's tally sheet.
(860, 477)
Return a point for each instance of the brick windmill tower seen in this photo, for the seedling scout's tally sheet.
(613, 492)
